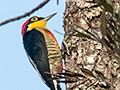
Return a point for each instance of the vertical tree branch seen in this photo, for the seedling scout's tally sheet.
(90, 33)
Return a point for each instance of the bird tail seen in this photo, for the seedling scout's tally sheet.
(58, 87)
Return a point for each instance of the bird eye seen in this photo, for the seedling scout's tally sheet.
(34, 19)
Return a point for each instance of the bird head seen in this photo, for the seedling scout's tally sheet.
(35, 21)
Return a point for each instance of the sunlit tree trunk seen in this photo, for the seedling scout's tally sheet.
(89, 64)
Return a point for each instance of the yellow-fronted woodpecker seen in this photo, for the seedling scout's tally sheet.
(42, 49)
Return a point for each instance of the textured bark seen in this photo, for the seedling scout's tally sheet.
(88, 57)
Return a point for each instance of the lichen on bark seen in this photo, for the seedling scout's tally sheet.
(86, 55)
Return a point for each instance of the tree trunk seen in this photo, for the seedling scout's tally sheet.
(89, 65)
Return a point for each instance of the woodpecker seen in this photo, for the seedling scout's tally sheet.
(42, 49)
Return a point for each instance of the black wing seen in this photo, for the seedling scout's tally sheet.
(35, 46)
